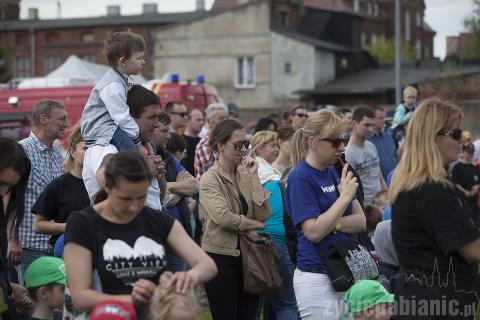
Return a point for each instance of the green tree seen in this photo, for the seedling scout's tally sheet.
(384, 51)
(5, 73)
(471, 49)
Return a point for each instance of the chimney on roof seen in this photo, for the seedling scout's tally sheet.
(33, 13)
(150, 8)
(113, 11)
(200, 5)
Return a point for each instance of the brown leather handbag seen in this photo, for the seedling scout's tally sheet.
(260, 264)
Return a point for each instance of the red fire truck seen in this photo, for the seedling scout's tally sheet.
(16, 104)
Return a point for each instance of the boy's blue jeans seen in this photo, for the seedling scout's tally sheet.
(122, 141)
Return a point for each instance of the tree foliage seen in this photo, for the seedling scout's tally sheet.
(384, 51)
(471, 49)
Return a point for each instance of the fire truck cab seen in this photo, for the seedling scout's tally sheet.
(16, 104)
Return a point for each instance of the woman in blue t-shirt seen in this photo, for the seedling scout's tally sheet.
(320, 216)
(265, 150)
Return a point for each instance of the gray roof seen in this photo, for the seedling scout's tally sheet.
(147, 18)
(381, 79)
(313, 41)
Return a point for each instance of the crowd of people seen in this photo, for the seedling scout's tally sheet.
(151, 199)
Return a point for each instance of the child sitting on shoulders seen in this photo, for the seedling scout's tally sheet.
(106, 118)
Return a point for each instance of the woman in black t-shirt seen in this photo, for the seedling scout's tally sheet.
(435, 235)
(64, 194)
(125, 242)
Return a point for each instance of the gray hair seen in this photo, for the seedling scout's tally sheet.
(45, 107)
(214, 107)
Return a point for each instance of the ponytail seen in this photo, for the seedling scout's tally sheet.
(298, 147)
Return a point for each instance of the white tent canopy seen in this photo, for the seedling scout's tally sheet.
(73, 72)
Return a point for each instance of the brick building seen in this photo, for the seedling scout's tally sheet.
(34, 47)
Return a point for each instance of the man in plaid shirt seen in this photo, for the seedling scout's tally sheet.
(50, 122)
(215, 113)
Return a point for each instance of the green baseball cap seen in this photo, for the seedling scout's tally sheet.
(365, 294)
(45, 270)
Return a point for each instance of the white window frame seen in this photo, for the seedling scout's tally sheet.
(419, 19)
(245, 69)
(356, 5)
(418, 49)
(408, 35)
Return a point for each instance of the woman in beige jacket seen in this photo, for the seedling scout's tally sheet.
(232, 200)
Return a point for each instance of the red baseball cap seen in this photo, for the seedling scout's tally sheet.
(113, 310)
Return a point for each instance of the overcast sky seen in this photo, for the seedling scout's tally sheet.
(444, 16)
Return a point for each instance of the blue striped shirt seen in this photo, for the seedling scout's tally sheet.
(46, 166)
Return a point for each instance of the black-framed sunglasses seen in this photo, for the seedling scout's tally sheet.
(238, 145)
(337, 142)
(456, 133)
(181, 114)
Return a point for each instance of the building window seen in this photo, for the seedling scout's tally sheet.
(51, 63)
(419, 19)
(418, 49)
(51, 37)
(88, 37)
(407, 26)
(22, 67)
(288, 68)
(426, 52)
(245, 72)
(284, 18)
(376, 11)
(89, 57)
(369, 8)
(356, 5)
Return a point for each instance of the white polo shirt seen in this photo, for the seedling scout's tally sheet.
(91, 163)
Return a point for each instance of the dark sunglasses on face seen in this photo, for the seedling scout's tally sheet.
(181, 114)
(337, 142)
(301, 115)
(238, 145)
(456, 133)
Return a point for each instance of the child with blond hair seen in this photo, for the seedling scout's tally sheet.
(168, 304)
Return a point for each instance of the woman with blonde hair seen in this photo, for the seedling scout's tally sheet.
(64, 194)
(320, 216)
(434, 233)
(265, 150)
(168, 304)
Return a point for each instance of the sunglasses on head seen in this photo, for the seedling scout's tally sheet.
(456, 133)
(301, 115)
(181, 114)
(238, 145)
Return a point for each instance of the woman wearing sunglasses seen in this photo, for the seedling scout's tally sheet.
(232, 201)
(64, 194)
(435, 235)
(323, 209)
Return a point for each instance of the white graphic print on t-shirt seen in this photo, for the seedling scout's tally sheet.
(146, 259)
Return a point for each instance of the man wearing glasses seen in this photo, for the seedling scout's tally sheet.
(299, 117)
(179, 114)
